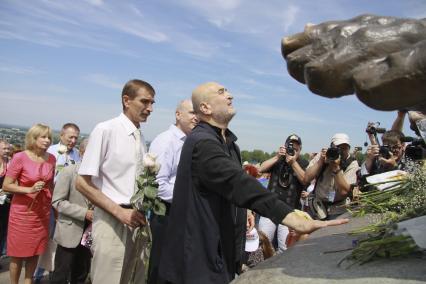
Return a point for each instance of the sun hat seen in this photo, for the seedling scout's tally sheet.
(252, 240)
(340, 138)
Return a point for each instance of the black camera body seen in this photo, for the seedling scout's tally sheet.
(290, 149)
(373, 128)
(333, 153)
(415, 151)
(384, 151)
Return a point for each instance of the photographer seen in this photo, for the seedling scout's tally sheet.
(335, 171)
(287, 174)
(385, 158)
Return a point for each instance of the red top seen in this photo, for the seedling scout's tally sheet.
(28, 228)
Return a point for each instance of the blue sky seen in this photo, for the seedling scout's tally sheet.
(64, 61)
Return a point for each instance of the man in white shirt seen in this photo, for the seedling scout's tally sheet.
(167, 146)
(65, 151)
(107, 178)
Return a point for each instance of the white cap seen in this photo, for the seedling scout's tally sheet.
(252, 240)
(340, 138)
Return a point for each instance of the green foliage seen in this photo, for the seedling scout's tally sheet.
(360, 157)
(259, 156)
(255, 156)
(404, 200)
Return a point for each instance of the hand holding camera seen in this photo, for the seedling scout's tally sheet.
(281, 152)
(372, 152)
(386, 157)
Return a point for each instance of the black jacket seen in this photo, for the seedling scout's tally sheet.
(201, 246)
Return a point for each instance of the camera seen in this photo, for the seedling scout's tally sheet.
(373, 128)
(290, 149)
(416, 150)
(333, 153)
(384, 151)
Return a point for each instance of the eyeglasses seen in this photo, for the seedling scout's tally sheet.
(395, 147)
(222, 91)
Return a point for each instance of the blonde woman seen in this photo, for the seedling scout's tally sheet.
(30, 178)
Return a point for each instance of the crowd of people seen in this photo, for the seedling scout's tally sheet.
(69, 211)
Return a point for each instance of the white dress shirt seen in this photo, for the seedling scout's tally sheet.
(167, 146)
(63, 160)
(73, 157)
(110, 158)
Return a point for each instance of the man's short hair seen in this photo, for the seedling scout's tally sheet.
(131, 88)
(392, 137)
(70, 125)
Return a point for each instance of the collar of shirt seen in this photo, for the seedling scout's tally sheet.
(230, 136)
(127, 124)
(177, 132)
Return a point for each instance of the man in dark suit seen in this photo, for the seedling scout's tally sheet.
(206, 230)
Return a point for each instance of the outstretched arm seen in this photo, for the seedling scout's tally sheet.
(305, 226)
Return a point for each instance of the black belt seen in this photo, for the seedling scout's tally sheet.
(168, 206)
(126, 206)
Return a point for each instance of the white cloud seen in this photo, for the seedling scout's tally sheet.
(21, 70)
(55, 111)
(103, 80)
(243, 96)
(276, 113)
(96, 2)
(290, 16)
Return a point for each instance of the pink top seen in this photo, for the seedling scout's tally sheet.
(29, 213)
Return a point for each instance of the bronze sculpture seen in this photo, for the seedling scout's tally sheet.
(380, 59)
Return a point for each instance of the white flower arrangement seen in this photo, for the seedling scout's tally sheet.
(62, 149)
(146, 200)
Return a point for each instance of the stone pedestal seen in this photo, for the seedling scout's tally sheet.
(315, 261)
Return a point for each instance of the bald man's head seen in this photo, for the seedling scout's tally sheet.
(203, 93)
(185, 116)
(213, 103)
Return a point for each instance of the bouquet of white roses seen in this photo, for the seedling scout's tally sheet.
(145, 200)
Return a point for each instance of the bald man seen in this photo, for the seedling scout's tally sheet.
(204, 221)
(168, 146)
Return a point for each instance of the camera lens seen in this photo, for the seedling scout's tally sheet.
(332, 153)
(384, 152)
(290, 149)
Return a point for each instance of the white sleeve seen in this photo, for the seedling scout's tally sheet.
(95, 152)
(165, 178)
(364, 170)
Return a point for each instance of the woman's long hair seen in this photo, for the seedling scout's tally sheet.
(266, 245)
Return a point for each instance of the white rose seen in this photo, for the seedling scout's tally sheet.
(149, 162)
(62, 149)
(156, 168)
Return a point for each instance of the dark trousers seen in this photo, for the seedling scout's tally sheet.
(158, 230)
(4, 220)
(71, 264)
